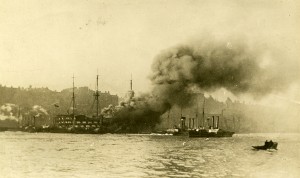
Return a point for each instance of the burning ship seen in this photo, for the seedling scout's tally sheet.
(119, 119)
(207, 65)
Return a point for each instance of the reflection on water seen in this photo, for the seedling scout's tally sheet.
(69, 155)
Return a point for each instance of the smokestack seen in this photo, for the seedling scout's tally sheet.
(131, 83)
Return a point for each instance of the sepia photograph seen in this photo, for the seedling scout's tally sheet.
(149, 89)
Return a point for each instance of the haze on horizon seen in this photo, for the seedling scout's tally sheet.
(42, 43)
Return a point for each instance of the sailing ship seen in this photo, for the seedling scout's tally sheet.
(211, 130)
(72, 123)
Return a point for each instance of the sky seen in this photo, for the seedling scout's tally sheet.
(43, 43)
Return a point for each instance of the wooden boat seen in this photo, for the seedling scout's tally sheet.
(78, 123)
(268, 145)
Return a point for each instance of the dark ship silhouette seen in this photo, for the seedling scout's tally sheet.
(210, 131)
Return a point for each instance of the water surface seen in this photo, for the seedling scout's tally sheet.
(69, 155)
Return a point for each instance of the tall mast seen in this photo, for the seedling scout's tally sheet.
(130, 92)
(168, 121)
(181, 112)
(19, 114)
(203, 112)
(97, 97)
(73, 101)
(131, 83)
(197, 111)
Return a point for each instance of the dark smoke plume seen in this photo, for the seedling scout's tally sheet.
(209, 65)
(139, 114)
(205, 65)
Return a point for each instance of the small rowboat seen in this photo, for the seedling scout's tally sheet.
(268, 145)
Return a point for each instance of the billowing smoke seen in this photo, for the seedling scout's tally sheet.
(206, 65)
(38, 111)
(108, 111)
(209, 65)
(139, 113)
(8, 111)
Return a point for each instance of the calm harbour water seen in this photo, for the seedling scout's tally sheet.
(35, 155)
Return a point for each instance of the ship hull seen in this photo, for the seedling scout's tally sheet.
(206, 133)
(75, 130)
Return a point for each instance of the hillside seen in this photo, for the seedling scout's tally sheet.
(19, 102)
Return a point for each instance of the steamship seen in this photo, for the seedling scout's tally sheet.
(181, 129)
(210, 130)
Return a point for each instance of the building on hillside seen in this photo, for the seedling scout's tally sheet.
(107, 99)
